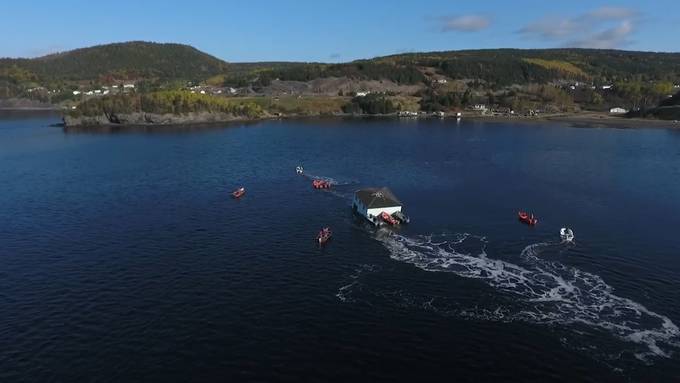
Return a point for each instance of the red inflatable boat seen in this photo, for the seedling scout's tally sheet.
(388, 219)
(324, 235)
(321, 184)
(527, 218)
(238, 193)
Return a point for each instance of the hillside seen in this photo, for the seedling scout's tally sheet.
(122, 61)
(496, 67)
(547, 80)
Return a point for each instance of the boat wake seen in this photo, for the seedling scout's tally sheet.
(550, 293)
(331, 180)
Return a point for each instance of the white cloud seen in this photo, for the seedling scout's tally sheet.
(604, 28)
(466, 23)
(614, 37)
(612, 13)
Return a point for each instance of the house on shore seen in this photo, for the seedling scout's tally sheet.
(372, 202)
(618, 110)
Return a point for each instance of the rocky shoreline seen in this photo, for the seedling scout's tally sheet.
(150, 119)
(153, 120)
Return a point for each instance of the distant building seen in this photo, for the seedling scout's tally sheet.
(480, 107)
(607, 87)
(406, 113)
(441, 81)
(76, 92)
(129, 86)
(618, 110)
(363, 94)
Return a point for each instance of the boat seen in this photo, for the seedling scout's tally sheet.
(401, 217)
(567, 234)
(324, 235)
(388, 219)
(299, 170)
(321, 184)
(527, 218)
(238, 193)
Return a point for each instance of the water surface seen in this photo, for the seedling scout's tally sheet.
(123, 258)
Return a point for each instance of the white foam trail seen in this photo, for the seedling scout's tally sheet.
(344, 292)
(552, 293)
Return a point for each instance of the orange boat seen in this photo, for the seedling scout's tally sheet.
(324, 235)
(238, 193)
(321, 184)
(527, 218)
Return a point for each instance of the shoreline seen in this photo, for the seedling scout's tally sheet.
(583, 118)
(594, 119)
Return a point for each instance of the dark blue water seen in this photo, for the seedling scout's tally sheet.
(123, 258)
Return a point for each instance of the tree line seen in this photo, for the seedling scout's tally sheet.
(165, 102)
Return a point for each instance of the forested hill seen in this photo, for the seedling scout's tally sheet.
(120, 61)
(495, 67)
(519, 79)
(522, 65)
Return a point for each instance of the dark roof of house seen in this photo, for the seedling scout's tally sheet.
(374, 198)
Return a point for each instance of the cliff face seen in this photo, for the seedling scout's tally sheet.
(148, 119)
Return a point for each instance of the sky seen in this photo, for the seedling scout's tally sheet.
(340, 30)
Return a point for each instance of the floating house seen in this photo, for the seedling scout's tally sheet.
(371, 203)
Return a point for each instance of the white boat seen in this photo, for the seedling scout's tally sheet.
(299, 170)
(566, 234)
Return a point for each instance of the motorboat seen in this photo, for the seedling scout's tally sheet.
(238, 193)
(567, 234)
(401, 217)
(388, 219)
(527, 218)
(324, 235)
(299, 170)
(321, 184)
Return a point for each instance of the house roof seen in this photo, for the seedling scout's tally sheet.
(374, 198)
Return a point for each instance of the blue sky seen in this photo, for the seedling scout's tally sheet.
(330, 31)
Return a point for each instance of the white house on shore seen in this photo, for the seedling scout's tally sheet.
(618, 110)
(370, 203)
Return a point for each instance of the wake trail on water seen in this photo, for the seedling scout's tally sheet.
(331, 180)
(551, 292)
